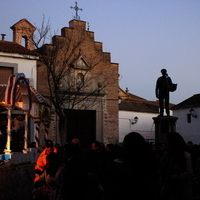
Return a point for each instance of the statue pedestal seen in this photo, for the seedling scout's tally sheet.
(164, 125)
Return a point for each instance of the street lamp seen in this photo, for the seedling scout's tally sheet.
(192, 113)
(134, 121)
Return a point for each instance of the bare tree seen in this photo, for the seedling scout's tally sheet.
(43, 33)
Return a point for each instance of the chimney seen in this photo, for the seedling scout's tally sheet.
(3, 36)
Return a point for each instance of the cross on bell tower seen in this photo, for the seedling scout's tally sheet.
(76, 8)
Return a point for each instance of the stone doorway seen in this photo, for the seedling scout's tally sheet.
(81, 124)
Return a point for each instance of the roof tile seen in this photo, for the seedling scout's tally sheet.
(193, 101)
(12, 47)
(139, 106)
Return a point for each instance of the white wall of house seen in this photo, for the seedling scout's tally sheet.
(189, 131)
(145, 125)
(22, 64)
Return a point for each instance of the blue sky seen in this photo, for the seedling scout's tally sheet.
(143, 36)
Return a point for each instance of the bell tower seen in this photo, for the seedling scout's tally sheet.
(23, 30)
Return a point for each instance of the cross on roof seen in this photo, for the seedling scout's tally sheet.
(76, 8)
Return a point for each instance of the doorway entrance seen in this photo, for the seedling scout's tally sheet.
(81, 124)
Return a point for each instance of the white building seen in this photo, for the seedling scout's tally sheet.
(135, 115)
(188, 123)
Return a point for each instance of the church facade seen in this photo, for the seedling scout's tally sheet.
(82, 83)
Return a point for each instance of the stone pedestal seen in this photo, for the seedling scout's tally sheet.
(164, 125)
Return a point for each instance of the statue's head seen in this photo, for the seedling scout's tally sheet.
(163, 71)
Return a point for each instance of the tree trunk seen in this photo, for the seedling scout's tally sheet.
(63, 129)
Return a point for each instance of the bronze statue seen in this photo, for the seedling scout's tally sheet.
(164, 85)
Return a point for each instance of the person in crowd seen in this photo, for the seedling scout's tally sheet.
(114, 172)
(193, 149)
(75, 140)
(59, 149)
(94, 164)
(132, 175)
(101, 152)
(95, 175)
(82, 174)
(196, 184)
(102, 156)
(41, 160)
(49, 184)
(176, 170)
(75, 182)
(158, 150)
(110, 148)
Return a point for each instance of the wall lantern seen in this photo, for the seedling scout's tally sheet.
(192, 113)
(134, 121)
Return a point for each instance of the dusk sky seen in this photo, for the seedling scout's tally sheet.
(143, 36)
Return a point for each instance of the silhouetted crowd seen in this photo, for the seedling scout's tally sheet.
(135, 169)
